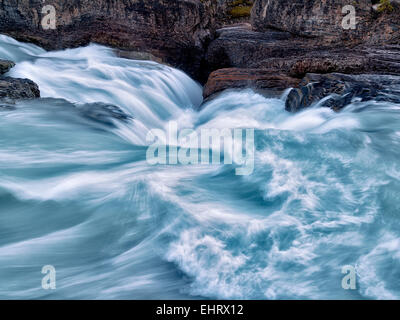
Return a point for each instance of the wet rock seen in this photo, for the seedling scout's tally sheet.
(14, 89)
(5, 66)
(341, 89)
(291, 56)
(7, 107)
(264, 81)
(102, 113)
(230, 12)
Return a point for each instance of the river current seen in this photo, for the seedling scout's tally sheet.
(77, 193)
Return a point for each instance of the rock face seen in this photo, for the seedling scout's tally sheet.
(268, 82)
(13, 89)
(228, 12)
(323, 19)
(291, 38)
(342, 89)
(175, 31)
(240, 47)
(239, 51)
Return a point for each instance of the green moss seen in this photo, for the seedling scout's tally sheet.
(240, 11)
(385, 6)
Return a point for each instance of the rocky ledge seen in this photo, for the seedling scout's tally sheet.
(263, 81)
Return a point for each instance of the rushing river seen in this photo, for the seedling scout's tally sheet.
(78, 194)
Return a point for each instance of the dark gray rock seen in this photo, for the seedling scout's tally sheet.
(14, 89)
(240, 47)
(287, 55)
(5, 66)
(342, 89)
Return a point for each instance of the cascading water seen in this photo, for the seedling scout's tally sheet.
(78, 194)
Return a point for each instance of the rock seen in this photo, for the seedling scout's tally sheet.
(260, 80)
(13, 89)
(174, 31)
(240, 47)
(228, 12)
(342, 89)
(322, 19)
(102, 113)
(5, 66)
(7, 107)
(291, 56)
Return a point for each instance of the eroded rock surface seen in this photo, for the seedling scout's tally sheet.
(5, 66)
(341, 89)
(14, 89)
(323, 19)
(265, 81)
(175, 31)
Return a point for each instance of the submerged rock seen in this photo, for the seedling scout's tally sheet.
(7, 107)
(14, 89)
(341, 89)
(102, 112)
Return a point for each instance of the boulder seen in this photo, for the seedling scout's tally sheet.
(341, 89)
(14, 89)
(241, 47)
(5, 66)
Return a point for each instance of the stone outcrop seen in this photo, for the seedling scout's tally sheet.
(228, 12)
(101, 112)
(174, 31)
(264, 81)
(341, 89)
(14, 89)
(323, 19)
(5, 66)
(288, 56)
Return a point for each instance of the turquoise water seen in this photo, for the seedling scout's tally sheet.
(78, 194)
